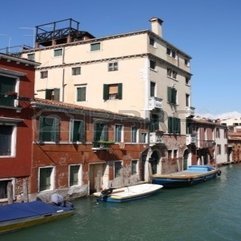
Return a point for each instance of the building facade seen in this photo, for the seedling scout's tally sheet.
(79, 150)
(137, 73)
(208, 142)
(16, 92)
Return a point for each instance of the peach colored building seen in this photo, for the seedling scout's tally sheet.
(135, 73)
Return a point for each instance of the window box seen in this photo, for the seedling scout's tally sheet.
(102, 144)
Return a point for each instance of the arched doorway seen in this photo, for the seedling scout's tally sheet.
(154, 161)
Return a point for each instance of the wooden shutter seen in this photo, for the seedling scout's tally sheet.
(106, 92)
(119, 96)
(56, 94)
(169, 94)
(170, 125)
(174, 96)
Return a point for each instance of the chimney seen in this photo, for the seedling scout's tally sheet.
(156, 26)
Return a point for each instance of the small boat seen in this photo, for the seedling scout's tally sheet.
(21, 215)
(127, 193)
(193, 175)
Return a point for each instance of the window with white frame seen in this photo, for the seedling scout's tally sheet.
(152, 89)
(94, 46)
(172, 53)
(76, 71)
(7, 140)
(46, 178)
(171, 73)
(4, 188)
(43, 74)
(31, 56)
(113, 66)
(134, 134)
(8, 90)
(112, 91)
(49, 129)
(77, 131)
(187, 100)
(152, 64)
(81, 93)
(134, 167)
(219, 149)
(152, 42)
(118, 133)
(58, 52)
(143, 137)
(117, 168)
(75, 175)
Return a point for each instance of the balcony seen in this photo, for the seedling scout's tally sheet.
(154, 102)
(156, 137)
(191, 139)
(190, 111)
(102, 145)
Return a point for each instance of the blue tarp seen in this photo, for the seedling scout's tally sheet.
(30, 209)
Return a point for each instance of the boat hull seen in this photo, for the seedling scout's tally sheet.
(129, 193)
(185, 178)
(22, 220)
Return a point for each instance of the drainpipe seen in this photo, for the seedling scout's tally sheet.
(63, 75)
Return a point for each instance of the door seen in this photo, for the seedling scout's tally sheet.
(96, 174)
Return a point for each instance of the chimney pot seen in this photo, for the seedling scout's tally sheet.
(156, 26)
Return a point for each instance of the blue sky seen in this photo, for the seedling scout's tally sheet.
(208, 30)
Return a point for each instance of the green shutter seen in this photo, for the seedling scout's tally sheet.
(106, 92)
(174, 96)
(170, 125)
(56, 94)
(55, 130)
(48, 94)
(119, 91)
(169, 94)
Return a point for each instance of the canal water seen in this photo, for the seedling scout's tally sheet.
(206, 212)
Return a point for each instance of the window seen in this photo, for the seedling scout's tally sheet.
(8, 89)
(217, 133)
(152, 89)
(187, 80)
(218, 149)
(31, 57)
(7, 140)
(3, 188)
(171, 73)
(76, 71)
(112, 91)
(74, 175)
(81, 93)
(134, 133)
(52, 94)
(187, 62)
(46, 178)
(118, 133)
(49, 129)
(174, 125)
(134, 167)
(95, 46)
(175, 154)
(169, 154)
(113, 66)
(171, 53)
(118, 167)
(43, 74)
(152, 42)
(152, 65)
(77, 131)
(172, 95)
(58, 52)
(143, 137)
(154, 122)
(101, 132)
(187, 100)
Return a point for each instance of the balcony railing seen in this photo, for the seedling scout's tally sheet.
(190, 111)
(102, 145)
(154, 102)
(156, 137)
